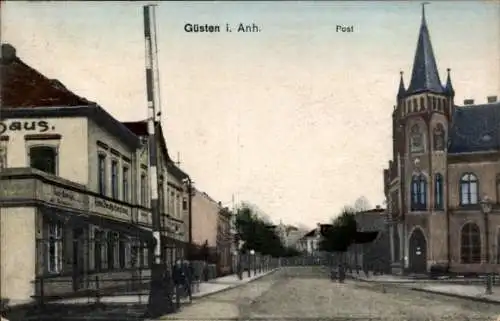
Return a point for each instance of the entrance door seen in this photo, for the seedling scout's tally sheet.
(78, 267)
(418, 252)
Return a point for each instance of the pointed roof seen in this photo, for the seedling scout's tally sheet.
(23, 86)
(402, 89)
(449, 87)
(425, 76)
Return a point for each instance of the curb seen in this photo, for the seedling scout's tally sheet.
(233, 286)
(460, 296)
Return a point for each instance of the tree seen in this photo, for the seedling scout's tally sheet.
(257, 232)
(362, 204)
(343, 232)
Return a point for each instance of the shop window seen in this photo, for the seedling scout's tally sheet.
(55, 247)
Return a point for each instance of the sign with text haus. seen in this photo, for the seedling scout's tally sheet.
(110, 209)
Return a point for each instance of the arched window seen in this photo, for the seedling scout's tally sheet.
(418, 193)
(439, 137)
(416, 139)
(43, 158)
(470, 247)
(438, 192)
(468, 189)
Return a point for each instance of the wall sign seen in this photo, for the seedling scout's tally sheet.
(62, 196)
(145, 217)
(111, 209)
(40, 126)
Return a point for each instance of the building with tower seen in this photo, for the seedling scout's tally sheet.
(445, 162)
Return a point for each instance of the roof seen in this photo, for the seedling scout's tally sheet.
(23, 86)
(140, 128)
(323, 229)
(475, 128)
(26, 93)
(425, 75)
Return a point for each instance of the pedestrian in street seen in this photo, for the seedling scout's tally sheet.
(188, 277)
(178, 277)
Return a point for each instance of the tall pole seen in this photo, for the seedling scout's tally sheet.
(160, 296)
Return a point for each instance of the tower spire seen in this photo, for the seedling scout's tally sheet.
(402, 90)
(425, 76)
(449, 87)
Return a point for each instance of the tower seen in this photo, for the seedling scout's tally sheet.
(420, 125)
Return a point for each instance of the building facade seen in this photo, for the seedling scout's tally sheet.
(205, 218)
(376, 255)
(173, 195)
(445, 161)
(74, 197)
(310, 243)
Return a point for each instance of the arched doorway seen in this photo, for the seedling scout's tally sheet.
(417, 252)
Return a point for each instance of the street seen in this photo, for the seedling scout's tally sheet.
(306, 293)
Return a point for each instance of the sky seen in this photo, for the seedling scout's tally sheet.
(296, 118)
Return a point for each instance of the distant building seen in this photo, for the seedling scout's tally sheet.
(444, 162)
(310, 243)
(375, 255)
(205, 220)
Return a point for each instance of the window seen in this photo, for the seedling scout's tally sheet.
(114, 179)
(161, 195)
(178, 205)
(3, 157)
(416, 139)
(171, 207)
(438, 192)
(184, 204)
(55, 247)
(468, 189)
(396, 245)
(125, 184)
(98, 250)
(470, 247)
(112, 249)
(422, 103)
(418, 193)
(122, 251)
(43, 158)
(439, 137)
(415, 105)
(102, 173)
(144, 190)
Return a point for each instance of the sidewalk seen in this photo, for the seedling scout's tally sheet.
(459, 288)
(471, 292)
(205, 288)
(113, 307)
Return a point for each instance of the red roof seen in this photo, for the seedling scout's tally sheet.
(23, 86)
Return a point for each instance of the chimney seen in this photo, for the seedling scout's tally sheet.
(8, 52)
(492, 99)
(468, 102)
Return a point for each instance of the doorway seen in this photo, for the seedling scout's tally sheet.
(78, 267)
(418, 252)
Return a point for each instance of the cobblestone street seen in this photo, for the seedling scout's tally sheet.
(307, 294)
